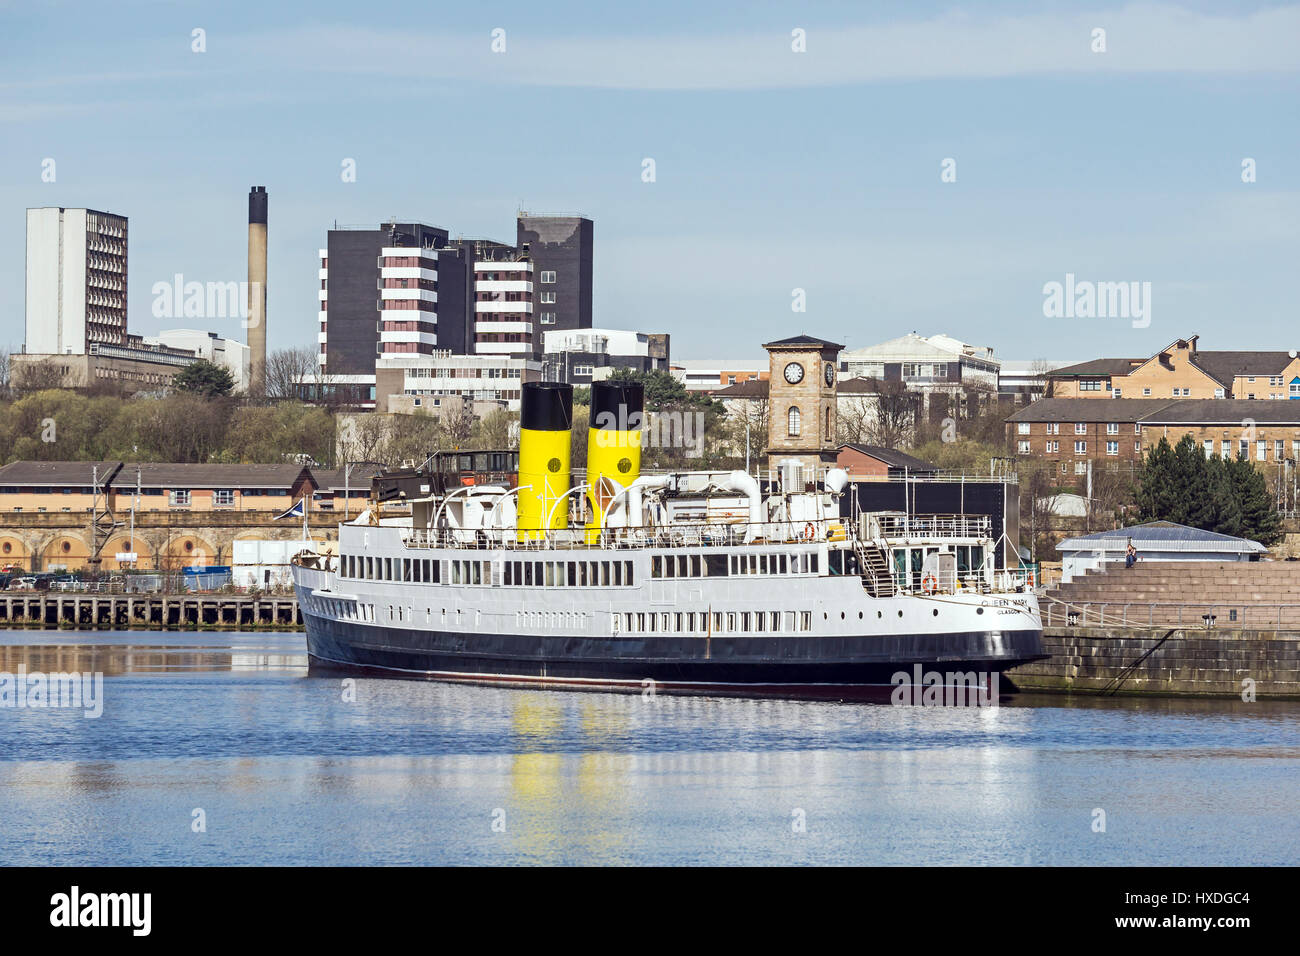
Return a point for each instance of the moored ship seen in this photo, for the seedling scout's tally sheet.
(690, 582)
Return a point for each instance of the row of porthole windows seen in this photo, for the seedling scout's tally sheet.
(880, 614)
(411, 615)
(397, 614)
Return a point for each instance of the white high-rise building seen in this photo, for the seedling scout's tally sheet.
(408, 300)
(503, 309)
(76, 280)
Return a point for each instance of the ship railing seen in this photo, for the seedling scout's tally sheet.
(934, 526)
(1153, 614)
(677, 535)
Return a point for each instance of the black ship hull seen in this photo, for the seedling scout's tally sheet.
(804, 667)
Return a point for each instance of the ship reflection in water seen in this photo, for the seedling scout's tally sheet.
(288, 769)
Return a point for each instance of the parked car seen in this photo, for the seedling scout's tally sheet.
(27, 583)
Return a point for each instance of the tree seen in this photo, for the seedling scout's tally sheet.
(662, 389)
(855, 418)
(183, 427)
(750, 421)
(458, 423)
(1157, 492)
(1227, 510)
(1230, 496)
(28, 377)
(1259, 517)
(1040, 382)
(4, 373)
(1111, 489)
(204, 378)
(413, 437)
(1037, 504)
(896, 411)
(268, 434)
(362, 437)
(498, 429)
(286, 368)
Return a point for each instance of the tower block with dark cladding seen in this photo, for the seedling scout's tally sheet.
(545, 423)
(257, 290)
(613, 447)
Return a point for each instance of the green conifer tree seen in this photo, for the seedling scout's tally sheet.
(1223, 497)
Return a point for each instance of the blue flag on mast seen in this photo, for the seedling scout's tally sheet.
(297, 511)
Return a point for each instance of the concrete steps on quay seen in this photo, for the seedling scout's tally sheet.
(1224, 596)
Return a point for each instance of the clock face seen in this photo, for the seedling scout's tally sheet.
(830, 374)
(794, 373)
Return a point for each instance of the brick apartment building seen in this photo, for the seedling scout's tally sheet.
(1070, 432)
(1073, 431)
(1183, 370)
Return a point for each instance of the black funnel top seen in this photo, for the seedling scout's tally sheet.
(546, 406)
(621, 400)
(257, 205)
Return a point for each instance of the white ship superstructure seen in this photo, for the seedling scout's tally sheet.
(697, 582)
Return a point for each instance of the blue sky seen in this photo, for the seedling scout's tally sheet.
(775, 170)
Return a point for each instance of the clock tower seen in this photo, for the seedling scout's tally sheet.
(802, 379)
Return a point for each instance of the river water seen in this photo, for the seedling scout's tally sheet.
(218, 748)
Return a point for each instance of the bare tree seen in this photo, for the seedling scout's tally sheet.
(1040, 382)
(1037, 502)
(40, 376)
(856, 419)
(896, 412)
(4, 372)
(362, 437)
(459, 423)
(1111, 490)
(286, 368)
(747, 416)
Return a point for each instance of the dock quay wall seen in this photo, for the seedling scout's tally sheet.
(1170, 661)
(150, 611)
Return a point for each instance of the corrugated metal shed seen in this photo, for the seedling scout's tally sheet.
(1161, 536)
